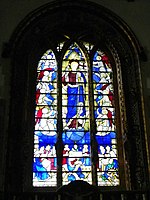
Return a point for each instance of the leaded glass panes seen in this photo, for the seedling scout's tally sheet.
(75, 115)
(104, 112)
(78, 79)
(45, 161)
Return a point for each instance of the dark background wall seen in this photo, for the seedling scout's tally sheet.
(135, 13)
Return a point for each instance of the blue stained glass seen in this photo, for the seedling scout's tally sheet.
(76, 161)
(74, 87)
(104, 114)
(76, 136)
(74, 52)
(85, 139)
(45, 134)
(48, 55)
(96, 77)
(39, 170)
(101, 62)
(46, 138)
(75, 116)
(105, 138)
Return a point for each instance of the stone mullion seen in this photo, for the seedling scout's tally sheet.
(94, 145)
(59, 143)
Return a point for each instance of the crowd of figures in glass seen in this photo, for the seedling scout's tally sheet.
(104, 111)
(45, 135)
(75, 118)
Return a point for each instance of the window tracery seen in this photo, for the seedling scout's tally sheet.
(87, 114)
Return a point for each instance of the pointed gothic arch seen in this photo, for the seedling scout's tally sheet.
(43, 29)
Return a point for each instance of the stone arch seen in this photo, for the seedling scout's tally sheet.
(32, 37)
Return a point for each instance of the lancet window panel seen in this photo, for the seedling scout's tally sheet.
(88, 112)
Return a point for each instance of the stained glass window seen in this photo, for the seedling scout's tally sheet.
(75, 115)
(45, 134)
(86, 92)
(104, 113)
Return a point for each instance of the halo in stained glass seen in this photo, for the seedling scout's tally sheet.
(75, 112)
(75, 117)
(45, 134)
(104, 113)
